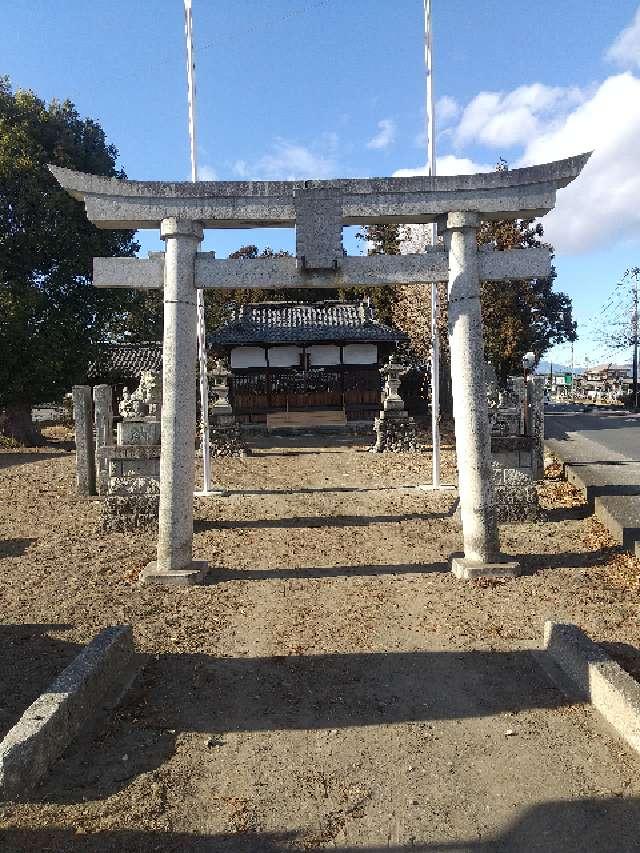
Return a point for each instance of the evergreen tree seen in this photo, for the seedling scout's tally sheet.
(51, 317)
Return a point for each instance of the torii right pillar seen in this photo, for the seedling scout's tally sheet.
(482, 555)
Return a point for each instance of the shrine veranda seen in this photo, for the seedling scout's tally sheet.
(319, 210)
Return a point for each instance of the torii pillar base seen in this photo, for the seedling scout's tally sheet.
(192, 576)
(469, 569)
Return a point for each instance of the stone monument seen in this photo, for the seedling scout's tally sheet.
(133, 480)
(224, 432)
(395, 429)
(516, 417)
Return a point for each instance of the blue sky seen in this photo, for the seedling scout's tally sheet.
(323, 88)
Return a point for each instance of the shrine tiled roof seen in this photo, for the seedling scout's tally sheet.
(123, 362)
(295, 322)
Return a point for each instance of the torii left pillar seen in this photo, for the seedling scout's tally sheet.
(482, 555)
(174, 565)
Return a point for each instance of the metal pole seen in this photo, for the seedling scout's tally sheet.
(201, 332)
(634, 321)
(435, 341)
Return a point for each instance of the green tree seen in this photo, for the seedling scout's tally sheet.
(381, 239)
(521, 316)
(51, 318)
(518, 316)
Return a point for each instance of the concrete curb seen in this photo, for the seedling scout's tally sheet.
(620, 514)
(595, 678)
(97, 679)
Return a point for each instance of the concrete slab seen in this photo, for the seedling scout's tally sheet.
(597, 678)
(621, 515)
(96, 679)
(607, 478)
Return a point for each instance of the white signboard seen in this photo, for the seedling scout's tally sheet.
(323, 354)
(248, 357)
(360, 354)
(284, 356)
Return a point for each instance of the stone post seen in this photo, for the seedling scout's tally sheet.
(103, 406)
(85, 452)
(535, 424)
(174, 564)
(470, 407)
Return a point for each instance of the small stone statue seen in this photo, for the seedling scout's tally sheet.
(146, 400)
(125, 406)
(150, 389)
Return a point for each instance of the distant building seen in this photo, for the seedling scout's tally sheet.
(608, 372)
(120, 365)
(287, 356)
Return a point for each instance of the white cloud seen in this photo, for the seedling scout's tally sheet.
(447, 165)
(291, 161)
(601, 206)
(240, 168)
(207, 173)
(505, 119)
(447, 109)
(625, 50)
(385, 136)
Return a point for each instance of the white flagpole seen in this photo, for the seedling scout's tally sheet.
(435, 342)
(202, 344)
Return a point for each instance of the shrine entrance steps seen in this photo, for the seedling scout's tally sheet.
(309, 419)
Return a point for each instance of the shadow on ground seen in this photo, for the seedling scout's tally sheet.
(320, 521)
(31, 659)
(578, 826)
(8, 460)
(216, 696)
(14, 547)
(218, 575)
(312, 490)
(533, 563)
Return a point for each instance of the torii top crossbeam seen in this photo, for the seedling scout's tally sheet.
(509, 194)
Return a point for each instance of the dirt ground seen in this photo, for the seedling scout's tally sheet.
(333, 686)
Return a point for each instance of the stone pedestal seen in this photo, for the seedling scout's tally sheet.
(225, 434)
(174, 563)
(131, 505)
(469, 569)
(395, 432)
(85, 449)
(133, 460)
(470, 408)
(195, 574)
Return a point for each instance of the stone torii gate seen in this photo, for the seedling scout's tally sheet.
(319, 210)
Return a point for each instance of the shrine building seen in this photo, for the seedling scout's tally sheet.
(291, 356)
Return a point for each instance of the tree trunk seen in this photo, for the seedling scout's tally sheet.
(16, 423)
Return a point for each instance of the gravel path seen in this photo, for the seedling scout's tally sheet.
(334, 686)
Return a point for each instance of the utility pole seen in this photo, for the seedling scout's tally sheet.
(572, 379)
(201, 332)
(634, 332)
(431, 163)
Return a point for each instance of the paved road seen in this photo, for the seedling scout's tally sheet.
(601, 452)
(594, 436)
